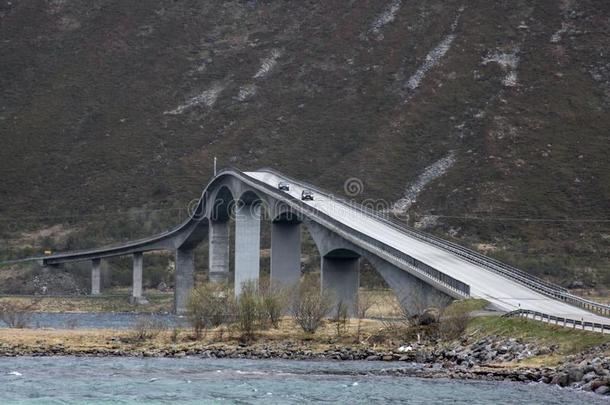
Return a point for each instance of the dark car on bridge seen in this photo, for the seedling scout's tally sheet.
(307, 195)
(283, 186)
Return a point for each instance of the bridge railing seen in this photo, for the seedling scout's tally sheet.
(513, 273)
(453, 284)
(520, 276)
(560, 321)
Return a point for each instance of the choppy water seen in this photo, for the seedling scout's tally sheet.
(72, 380)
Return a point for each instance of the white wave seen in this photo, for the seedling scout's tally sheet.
(251, 372)
(15, 373)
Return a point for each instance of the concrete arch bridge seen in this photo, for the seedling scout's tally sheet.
(422, 270)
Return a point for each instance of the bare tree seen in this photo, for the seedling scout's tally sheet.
(310, 304)
(340, 318)
(15, 314)
(209, 305)
(148, 328)
(365, 302)
(453, 322)
(249, 311)
(274, 300)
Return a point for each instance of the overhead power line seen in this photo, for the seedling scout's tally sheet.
(521, 219)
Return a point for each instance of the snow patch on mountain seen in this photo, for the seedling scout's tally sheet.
(207, 98)
(388, 15)
(429, 174)
(268, 64)
(556, 37)
(433, 58)
(508, 61)
(246, 92)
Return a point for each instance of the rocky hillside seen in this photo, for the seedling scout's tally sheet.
(484, 121)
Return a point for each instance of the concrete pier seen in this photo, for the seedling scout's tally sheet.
(218, 258)
(247, 244)
(96, 276)
(184, 278)
(136, 290)
(341, 275)
(285, 252)
(413, 294)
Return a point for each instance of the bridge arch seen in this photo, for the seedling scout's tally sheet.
(340, 272)
(222, 204)
(340, 248)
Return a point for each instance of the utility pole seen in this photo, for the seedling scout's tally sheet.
(214, 165)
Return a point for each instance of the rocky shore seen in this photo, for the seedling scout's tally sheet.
(489, 358)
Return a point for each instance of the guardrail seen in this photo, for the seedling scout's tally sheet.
(453, 284)
(542, 286)
(557, 320)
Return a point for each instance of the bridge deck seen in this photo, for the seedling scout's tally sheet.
(504, 293)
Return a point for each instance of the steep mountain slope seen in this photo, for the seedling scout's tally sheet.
(485, 120)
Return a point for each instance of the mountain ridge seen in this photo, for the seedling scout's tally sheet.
(91, 117)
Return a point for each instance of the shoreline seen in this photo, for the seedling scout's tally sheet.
(587, 372)
(489, 348)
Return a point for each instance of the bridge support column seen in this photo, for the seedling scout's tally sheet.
(413, 294)
(184, 278)
(96, 276)
(218, 253)
(285, 252)
(341, 275)
(247, 244)
(136, 290)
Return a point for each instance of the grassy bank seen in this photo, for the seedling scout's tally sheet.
(568, 341)
(373, 336)
(130, 343)
(383, 331)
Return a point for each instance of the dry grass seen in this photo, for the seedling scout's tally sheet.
(114, 301)
(74, 341)
(385, 303)
(598, 295)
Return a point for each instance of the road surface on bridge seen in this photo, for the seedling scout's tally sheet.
(502, 292)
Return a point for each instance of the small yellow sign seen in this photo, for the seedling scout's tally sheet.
(48, 252)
